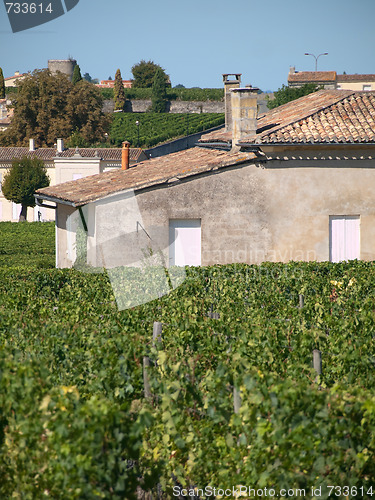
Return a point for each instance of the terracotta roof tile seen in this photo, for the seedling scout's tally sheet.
(312, 76)
(16, 153)
(12, 153)
(333, 116)
(355, 78)
(148, 173)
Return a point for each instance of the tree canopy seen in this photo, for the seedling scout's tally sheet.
(48, 107)
(77, 77)
(119, 92)
(159, 95)
(286, 94)
(21, 181)
(2, 85)
(144, 74)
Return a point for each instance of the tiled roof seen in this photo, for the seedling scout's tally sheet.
(312, 76)
(16, 153)
(108, 154)
(219, 136)
(152, 172)
(15, 76)
(104, 153)
(355, 78)
(327, 116)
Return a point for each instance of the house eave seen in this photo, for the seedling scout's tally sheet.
(53, 199)
(294, 146)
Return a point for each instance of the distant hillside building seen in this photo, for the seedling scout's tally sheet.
(11, 81)
(6, 114)
(331, 80)
(65, 66)
(109, 84)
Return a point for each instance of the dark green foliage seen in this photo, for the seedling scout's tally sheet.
(158, 96)
(11, 92)
(156, 127)
(75, 140)
(21, 181)
(47, 107)
(84, 112)
(287, 94)
(77, 77)
(88, 78)
(181, 94)
(144, 74)
(2, 85)
(119, 92)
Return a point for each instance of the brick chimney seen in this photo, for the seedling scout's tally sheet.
(60, 145)
(244, 112)
(230, 83)
(125, 155)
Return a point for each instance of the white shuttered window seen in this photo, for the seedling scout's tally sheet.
(185, 242)
(344, 237)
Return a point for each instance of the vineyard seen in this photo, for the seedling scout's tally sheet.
(232, 395)
(155, 128)
(32, 245)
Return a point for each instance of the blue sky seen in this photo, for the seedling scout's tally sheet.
(197, 41)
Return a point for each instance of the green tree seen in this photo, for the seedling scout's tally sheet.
(77, 77)
(84, 112)
(21, 181)
(159, 96)
(2, 85)
(47, 107)
(144, 74)
(87, 77)
(119, 92)
(286, 94)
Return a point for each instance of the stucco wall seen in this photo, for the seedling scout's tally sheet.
(64, 240)
(277, 212)
(358, 86)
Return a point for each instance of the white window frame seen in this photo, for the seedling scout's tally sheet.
(179, 256)
(346, 231)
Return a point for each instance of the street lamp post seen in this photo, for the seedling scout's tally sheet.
(137, 124)
(316, 58)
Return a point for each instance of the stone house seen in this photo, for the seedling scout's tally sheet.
(331, 80)
(295, 183)
(11, 81)
(62, 164)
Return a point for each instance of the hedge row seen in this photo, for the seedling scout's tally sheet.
(194, 94)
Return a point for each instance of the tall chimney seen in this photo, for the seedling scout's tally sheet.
(31, 144)
(228, 85)
(244, 113)
(125, 155)
(60, 145)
